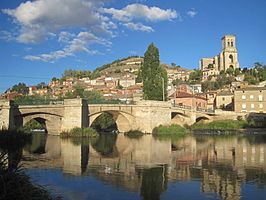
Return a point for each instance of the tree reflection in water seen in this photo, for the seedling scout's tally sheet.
(105, 144)
(154, 182)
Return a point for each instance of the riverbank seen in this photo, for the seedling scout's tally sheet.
(80, 133)
(248, 131)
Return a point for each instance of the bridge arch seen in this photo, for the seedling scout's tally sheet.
(53, 122)
(203, 118)
(123, 120)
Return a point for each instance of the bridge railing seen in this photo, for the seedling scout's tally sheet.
(182, 107)
(190, 108)
(39, 102)
(205, 110)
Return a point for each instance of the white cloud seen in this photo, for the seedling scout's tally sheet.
(41, 20)
(138, 27)
(80, 43)
(65, 37)
(192, 13)
(7, 36)
(40, 17)
(140, 11)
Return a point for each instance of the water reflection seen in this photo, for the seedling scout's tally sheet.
(222, 165)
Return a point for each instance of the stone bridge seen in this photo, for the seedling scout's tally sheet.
(143, 116)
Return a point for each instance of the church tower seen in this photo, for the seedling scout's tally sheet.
(228, 57)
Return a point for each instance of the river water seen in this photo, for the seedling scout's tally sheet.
(117, 167)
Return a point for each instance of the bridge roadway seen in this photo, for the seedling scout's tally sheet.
(143, 115)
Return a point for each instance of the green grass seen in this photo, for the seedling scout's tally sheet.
(222, 125)
(174, 131)
(80, 132)
(134, 134)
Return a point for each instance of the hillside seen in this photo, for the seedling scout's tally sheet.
(129, 64)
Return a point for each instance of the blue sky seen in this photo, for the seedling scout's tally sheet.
(40, 39)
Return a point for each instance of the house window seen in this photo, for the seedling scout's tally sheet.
(243, 96)
(261, 105)
(244, 106)
(252, 106)
(251, 96)
(223, 99)
(260, 97)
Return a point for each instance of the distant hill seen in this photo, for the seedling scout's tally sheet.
(129, 64)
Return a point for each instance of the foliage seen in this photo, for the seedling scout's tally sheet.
(171, 130)
(41, 85)
(177, 81)
(20, 88)
(119, 87)
(196, 76)
(139, 76)
(255, 74)
(221, 81)
(32, 124)
(134, 134)
(79, 132)
(32, 100)
(252, 80)
(221, 125)
(79, 91)
(14, 183)
(106, 66)
(77, 73)
(153, 75)
(230, 71)
(104, 122)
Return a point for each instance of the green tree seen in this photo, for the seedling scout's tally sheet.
(92, 95)
(177, 81)
(20, 88)
(154, 76)
(237, 71)
(139, 76)
(230, 71)
(196, 76)
(54, 79)
(41, 85)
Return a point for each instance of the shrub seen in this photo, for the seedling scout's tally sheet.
(80, 132)
(222, 125)
(173, 129)
(134, 134)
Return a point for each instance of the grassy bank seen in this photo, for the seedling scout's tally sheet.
(80, 133)
(222, 125)
(134, 134)
(173, 130)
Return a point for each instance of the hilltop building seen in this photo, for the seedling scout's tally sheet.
(228, 58)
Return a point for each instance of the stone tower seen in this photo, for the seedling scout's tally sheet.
(229, 56)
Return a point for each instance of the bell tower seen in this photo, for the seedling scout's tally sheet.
(229, 55)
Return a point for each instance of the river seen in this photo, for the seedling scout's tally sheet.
(117, 167)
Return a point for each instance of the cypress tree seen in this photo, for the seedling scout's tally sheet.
(153, 75)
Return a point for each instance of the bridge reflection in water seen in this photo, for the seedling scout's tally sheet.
(150, 167)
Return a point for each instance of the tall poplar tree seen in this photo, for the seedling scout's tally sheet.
(153, 75)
